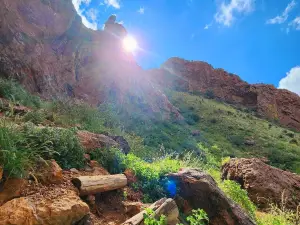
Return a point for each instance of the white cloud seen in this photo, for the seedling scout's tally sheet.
(92, 14)
(207, 26)
(113, 3)
(141, 10)
(284, 16)
(227, 12)
(291, 81)
(85, 21)
(295, 23)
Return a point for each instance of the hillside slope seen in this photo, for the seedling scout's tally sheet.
(196, 76)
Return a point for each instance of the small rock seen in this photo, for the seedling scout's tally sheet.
(196, 133)
(132, 208)
(131, 178)
(87, 157)
(250, 142)
(94, 163)
(49, 172)
(73, 170)
(12, 188)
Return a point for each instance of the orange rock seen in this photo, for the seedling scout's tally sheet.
(61, 210)
(49, 172)
(12, 189)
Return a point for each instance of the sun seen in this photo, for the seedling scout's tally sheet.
(130, 44)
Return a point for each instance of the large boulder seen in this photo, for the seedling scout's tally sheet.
(91, 141)
(200, 190)
(265, 184)
(63, 209)
(123, 144)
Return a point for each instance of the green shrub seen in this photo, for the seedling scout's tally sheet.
(16, 159)
(198, 217)
(209, 94)
(237, 140)
(36, 116)
(151, 175)
(110, 159)
(149, 218)
(12, 90)
(238, 195)
(60, 144)
(277, 216)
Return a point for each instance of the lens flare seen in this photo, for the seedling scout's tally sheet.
(130, 44)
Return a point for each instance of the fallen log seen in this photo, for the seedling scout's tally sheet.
(138, 218)
(89, 185)
(166, 207)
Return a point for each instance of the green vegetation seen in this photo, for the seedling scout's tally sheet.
(198, 217)
(149, 218)
(210, 133)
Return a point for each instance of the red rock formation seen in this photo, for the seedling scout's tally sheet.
(265, 184)
(45, 46)
(199, 76)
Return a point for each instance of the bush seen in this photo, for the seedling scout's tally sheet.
(239, 195)
(15, 158)
(60, 144)
(236, 140)
(14, 91)
(149, 218)
(209, 94)
(199, 217)
(150, 176)
(110, 159)
(36, 117)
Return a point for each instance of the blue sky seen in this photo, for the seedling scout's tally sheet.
(259, 40)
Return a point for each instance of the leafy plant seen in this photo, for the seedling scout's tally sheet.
(239, 195)
(198, 217)
(10, 89)
(149, 218)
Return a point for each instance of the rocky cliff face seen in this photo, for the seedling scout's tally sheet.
(44, 45)
(197, 76)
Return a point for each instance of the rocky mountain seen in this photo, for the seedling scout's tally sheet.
(45, 46)
(197, 76)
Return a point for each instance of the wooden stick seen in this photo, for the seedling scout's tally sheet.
(89, 185)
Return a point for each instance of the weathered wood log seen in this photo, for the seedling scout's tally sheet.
(166, 207)
(138, 218)
(170, 210)
(89, 185)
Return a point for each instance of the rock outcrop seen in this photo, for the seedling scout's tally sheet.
(197, 76)
(91, 141)
(265, 184)
(63, 209)
(45, 46)
(199, 190)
